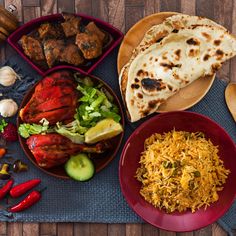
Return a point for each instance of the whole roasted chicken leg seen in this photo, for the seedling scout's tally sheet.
(54, 149)
(55, 99)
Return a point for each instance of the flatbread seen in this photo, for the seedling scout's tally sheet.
(156, 35)
(180, 58)
(158, 32)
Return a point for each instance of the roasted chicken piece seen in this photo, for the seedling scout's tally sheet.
(54, 149)
(53, 49)
(71, 24)
(89, 44)
(57, 51)
(92, 28)
(32, 48)
(91, 41)
(48, 30)
(60, 78)
(71, 55)
(55, 99)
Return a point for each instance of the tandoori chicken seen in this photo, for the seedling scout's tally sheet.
(54, 149)
(55, 99)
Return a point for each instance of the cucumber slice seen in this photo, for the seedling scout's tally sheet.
(80, 167)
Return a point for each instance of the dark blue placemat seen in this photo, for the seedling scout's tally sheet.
(99, 200)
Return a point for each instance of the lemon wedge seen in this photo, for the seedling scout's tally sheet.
(104, 129)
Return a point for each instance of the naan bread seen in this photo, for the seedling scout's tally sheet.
(158, 32)
(180, 58)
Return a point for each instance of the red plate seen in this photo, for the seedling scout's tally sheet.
(27, 28)
(101, 160)
(129, 162)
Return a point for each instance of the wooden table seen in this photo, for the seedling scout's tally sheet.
(122, 14)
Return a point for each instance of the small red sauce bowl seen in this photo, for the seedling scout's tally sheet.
(129, 162)
(101, 160)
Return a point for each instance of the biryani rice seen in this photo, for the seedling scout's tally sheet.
(180, 170)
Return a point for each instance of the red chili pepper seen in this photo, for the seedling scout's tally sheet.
(30, 200)
(6, 188)
(22, 188)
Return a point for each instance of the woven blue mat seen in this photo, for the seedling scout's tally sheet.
(99, 200)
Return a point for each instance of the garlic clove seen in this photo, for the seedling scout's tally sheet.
(8, 107)
(8, 76)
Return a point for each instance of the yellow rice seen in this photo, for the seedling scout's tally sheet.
(180, 170)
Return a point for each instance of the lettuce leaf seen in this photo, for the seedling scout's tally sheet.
(96, 104)
(73, 131)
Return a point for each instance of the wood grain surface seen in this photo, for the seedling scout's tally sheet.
(122, 14)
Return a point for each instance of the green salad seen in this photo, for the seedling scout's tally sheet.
(95, 104)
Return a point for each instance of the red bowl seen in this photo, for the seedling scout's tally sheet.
(27, 28)
(100, 161)
(129, 162)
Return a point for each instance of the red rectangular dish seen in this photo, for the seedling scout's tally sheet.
(116, 37)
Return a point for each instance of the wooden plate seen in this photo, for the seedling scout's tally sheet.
(186, 97)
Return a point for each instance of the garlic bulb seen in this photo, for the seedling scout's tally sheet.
(8, 107)
(8, 76)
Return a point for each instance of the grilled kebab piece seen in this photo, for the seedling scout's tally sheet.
(71, 24)
(48, 30)
(91, 41)
(32, 48)
(92, 28)
(53, 48)
(57, 51)
(89, 44)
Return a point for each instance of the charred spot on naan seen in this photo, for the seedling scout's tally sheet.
(152, 86)
(159, 40)
(207, 36)
(142, 73)
(154, 37)
(184, 80)
(170, 87)
(177, 54)
(219, 54)
(206, 57)
(176, 25)
(193, 52)
(152, 106)
(215, 67)
(164, 55)
(175, 31)
(193, 41)
(195, 26)
(135, 86)
(145, 113)
(159, 36)
(217, 42)
(176, 76)
(170, 65)
(140, 95)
